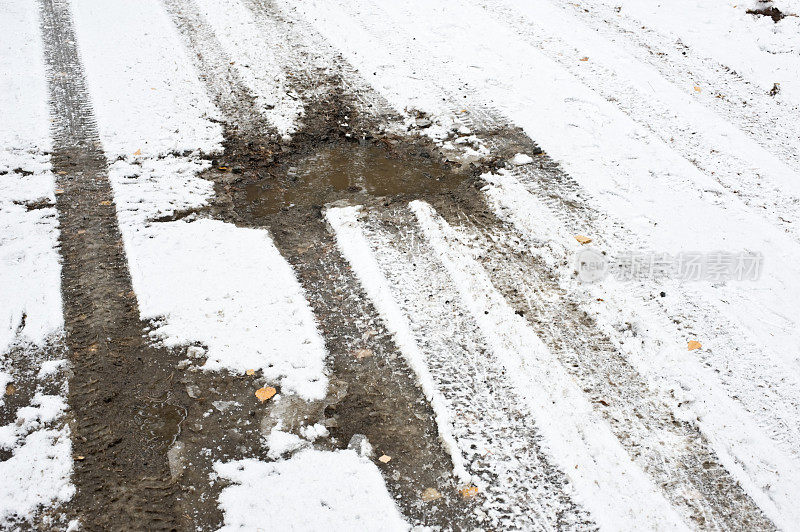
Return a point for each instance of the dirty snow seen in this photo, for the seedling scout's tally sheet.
(313, 490)
(204, 281)
(37, 472)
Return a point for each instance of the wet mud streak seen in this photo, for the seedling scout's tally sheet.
(383, 400)
(120, 386)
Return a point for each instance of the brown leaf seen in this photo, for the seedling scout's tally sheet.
(10, 389)
(583, 239)
(265, 393)
(584, 58)
(694, 344)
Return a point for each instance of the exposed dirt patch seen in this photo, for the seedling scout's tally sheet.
(772, 12)
(340, 156)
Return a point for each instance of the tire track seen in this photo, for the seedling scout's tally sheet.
(761, 181)
(380, 396)
(673, 452)
(490, 430)
(118, 383)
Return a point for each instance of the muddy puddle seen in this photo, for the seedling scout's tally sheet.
(339, 170)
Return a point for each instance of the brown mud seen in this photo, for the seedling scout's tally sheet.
(284, 186)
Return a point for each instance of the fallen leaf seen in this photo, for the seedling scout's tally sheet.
(137, 152)
(363, 353)
(62, 172)
(431, 494)
(385, 459)
(583, 239)
(265, 393)
(105, 202)
(250, 372)
(59, 191)
(468, 492)
(10, 389)
(224, 168)
(694, 344)
(584, 58)
(697, 89)
(80, 457)
(600, 299)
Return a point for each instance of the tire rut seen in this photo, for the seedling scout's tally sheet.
(490, 426)
(673, 452)
(121, 475)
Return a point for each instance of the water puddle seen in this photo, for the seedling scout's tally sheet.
(161, 423)
(338, 170)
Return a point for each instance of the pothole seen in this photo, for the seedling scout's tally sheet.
(340, 170)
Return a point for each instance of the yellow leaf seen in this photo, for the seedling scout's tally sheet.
(250, 372)
(697, 89)
(265, 393)
(80, 457)
(431, 494)
(468, 492)
(106, 202)
(693, 344)
(385, 459)
(583, 239)
(137, 152)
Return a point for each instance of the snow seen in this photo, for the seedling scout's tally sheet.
(39, 469)
(520, 159)
(144, 84)
(200, 281)
(37, 473)
(280, 443)
(617, 493)
(29, 265)
(314, 490)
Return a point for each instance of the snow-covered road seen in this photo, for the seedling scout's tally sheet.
(241, 239)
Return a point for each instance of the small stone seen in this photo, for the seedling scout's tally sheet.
(360, 444)
(430, 494)
(385, 459)
(176, 459)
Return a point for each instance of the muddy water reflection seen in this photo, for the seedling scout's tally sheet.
(348, 168)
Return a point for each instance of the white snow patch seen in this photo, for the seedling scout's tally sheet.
(145, 94)
(520, 159)
(280, 443)
(38, 472)
(314, 490)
